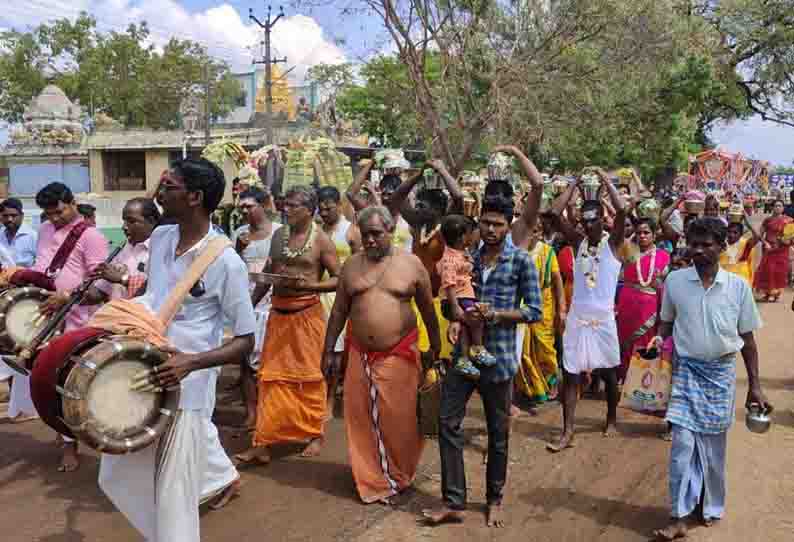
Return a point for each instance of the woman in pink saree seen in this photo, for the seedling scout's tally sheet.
(644, 271)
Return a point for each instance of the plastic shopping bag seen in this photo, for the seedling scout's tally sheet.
(648, 382)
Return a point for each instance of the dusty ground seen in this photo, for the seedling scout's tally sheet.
(603, 490)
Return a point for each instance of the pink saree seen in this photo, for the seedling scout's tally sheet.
(638, 305)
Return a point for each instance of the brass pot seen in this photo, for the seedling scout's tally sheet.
(694, 206)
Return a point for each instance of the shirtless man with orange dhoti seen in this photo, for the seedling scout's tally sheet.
(291, 403)
(383, 371)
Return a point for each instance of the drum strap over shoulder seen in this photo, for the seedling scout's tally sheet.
(66, 248)
(196, 270)
(46, 279)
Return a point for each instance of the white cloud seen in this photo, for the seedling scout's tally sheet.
(757, 139)
(220, 28)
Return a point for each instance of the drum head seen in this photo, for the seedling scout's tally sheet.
(23, 321)
(99, 405)
(116, 410)
(20, 320)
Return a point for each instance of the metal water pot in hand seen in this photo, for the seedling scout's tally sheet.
(757, 419)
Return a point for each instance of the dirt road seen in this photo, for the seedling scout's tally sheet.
(611, 490)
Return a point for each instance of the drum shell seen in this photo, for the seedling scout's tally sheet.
(61, 376)
(77, 414)
(8, 297)
(49, 370)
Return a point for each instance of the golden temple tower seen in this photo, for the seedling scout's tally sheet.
(283, 100)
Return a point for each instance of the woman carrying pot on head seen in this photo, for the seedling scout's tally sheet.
(644, 271)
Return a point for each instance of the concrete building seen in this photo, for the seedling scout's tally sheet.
(46, 147)
(286, 97)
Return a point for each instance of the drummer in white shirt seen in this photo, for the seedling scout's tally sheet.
(159, 489)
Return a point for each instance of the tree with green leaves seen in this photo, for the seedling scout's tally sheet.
(117, 73)
(609, 82)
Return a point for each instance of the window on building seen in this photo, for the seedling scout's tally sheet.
(125, 170)
(242, 99)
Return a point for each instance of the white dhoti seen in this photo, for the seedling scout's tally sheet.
(158, 489)
(19, 402)
(220, 472)
(590, 340)
(261, 313)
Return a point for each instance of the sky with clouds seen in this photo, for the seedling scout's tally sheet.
(307, 37)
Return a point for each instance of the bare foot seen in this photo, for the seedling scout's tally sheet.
(677, 530)
(443, 514)
(329, 409)
(314, 447)
(610, 430)
(252, 457)
(70, 461)
(231, 492)
(566, 441)
(710, 522)
(495, 516)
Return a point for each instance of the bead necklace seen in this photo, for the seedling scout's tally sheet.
(307, 244)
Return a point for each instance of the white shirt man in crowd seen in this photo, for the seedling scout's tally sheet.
(18, 238)
(160, 490)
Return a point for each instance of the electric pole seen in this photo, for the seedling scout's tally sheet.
(267, 26)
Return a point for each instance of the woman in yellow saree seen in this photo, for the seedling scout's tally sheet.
(537, 377)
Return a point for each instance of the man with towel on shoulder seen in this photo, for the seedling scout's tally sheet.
(159, 489)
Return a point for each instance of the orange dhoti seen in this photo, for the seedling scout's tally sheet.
(291, 406)
(383, 438)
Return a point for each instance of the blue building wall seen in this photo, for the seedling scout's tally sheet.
(28, 179)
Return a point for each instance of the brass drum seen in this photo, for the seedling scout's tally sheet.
(81, 386)
(20, 320)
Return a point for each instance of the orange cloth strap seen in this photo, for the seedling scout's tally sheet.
(405, 349)
(126, 317)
